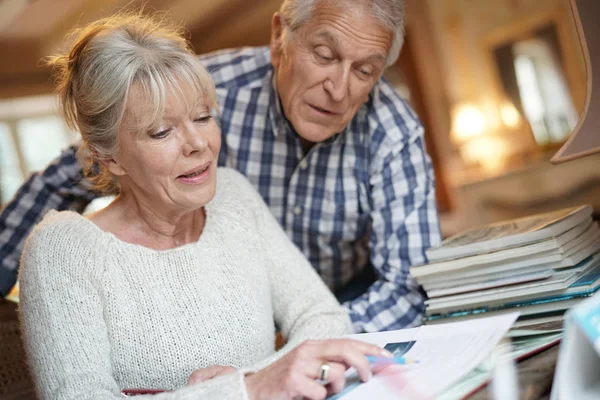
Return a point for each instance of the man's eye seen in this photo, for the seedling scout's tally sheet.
(365, 72)
(324, 54)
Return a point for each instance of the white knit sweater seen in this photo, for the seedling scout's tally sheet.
(100, 314)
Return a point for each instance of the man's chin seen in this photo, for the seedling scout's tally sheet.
(316, 133)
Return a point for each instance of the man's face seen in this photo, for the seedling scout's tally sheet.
(326, 69)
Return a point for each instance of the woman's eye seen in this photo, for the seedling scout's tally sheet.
(204, 119)
(161, 134)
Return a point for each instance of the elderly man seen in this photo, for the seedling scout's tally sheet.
(335, 152)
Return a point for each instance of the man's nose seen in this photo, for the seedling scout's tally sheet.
(337, 83)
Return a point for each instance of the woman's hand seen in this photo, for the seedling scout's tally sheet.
(295, 374)
(205, 374)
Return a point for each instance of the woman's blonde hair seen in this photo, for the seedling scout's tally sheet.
(95, 78)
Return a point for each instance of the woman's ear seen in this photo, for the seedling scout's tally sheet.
(276, 39)
(111, 164)
(114, 167)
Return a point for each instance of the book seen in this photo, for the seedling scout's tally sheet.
(507, 234)
(480, 276)
(567, 243)
(509, 274)
(541, 262)
(584, 284)
(465, 287)
(558, 284)
(527, 309)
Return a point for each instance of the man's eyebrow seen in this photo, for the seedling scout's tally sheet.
(334, 41)
(328, 36)
(375, 57)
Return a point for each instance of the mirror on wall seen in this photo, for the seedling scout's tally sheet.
(538, 77)
(514, 76)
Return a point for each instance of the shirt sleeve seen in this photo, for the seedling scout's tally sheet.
(59, 187)
(64, 331)
(404, 224)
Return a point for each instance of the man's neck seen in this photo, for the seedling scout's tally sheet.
(306, 145)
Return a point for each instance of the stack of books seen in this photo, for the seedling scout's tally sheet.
(540, 266)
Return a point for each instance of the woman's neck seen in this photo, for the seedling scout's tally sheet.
(136, 221)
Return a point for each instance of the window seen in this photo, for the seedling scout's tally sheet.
(31, 135)
(11, 175)
(544, 92)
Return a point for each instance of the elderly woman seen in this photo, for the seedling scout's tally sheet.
(186, 270)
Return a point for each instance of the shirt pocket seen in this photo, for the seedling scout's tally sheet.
(343, 217)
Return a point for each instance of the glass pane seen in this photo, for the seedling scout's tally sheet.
(42, 140)
(11, 176)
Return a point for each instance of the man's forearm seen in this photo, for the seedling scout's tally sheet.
(59, 187)
(386, 306)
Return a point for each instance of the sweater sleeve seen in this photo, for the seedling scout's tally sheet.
(65, 335)
(304, 308)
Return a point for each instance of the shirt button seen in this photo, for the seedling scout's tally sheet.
(303, 164)
(297, 210)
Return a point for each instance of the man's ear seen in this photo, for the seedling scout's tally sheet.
(276, 39)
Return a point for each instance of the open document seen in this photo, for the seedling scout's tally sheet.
(445, 354)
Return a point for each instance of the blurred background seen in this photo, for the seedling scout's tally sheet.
(499, 86)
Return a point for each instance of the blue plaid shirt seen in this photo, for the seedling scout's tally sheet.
(362, 199)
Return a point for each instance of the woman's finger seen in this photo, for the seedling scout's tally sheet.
(312, 369)
(337, 378)
(353, 354)
(365, 348)
(312, 390)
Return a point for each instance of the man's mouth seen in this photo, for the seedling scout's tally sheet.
(323, 110)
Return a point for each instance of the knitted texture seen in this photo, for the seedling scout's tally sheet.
(100, 314)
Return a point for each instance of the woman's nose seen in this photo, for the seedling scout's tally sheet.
(194, 141)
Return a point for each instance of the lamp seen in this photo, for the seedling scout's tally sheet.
(479, 130)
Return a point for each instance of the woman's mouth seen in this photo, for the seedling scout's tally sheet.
(198, 175)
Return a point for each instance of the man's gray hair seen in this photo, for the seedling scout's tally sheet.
(390, 13)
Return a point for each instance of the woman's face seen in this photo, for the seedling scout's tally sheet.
(173, 167)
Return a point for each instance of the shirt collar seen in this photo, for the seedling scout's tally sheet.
(279, 122)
